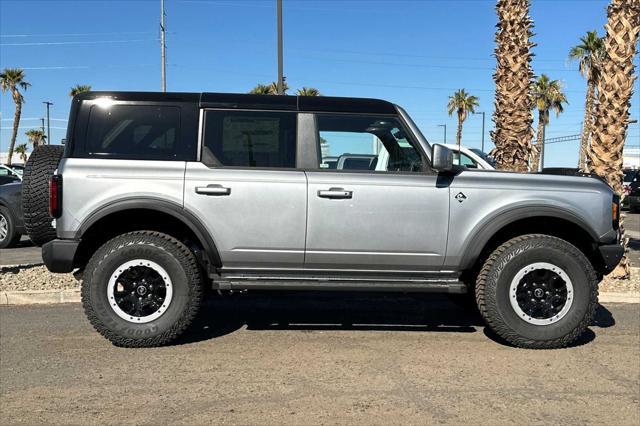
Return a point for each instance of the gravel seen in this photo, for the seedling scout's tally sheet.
(35, 278)
(38, 278)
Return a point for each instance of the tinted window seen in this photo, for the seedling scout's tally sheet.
(361, 142)
(134, 132)
(250, 139)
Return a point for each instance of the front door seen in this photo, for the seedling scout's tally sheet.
(378, 208)
(247, 191)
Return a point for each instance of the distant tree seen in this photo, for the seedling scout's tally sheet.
(261, 89)
(36, 137)
(462, 103)
(273, 87)
(12, 79)
(22, 151)
(79, 88)
(547, 96)
(308, 91)
(589, 54)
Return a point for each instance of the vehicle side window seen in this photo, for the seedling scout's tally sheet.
(363, 142)
(250, 139)
(134, 132)
(462, 159)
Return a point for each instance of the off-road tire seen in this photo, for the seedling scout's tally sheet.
(41, 165)
(494, 280)
(13, 237)
(182, 267)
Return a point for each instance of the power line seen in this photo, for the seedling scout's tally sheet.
(64, 43)
(74, 34)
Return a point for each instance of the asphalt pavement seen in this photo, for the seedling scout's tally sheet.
(317, 358)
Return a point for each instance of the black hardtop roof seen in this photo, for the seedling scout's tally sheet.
(246, 101)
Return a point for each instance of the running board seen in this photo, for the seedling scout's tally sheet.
(340, 284)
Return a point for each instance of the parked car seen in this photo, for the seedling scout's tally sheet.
(633, 196)
(9, 175)
(18, 168)
(472, 158)
(158, 196)
(630, 176)
(11, 222)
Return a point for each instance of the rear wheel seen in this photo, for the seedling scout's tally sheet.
(537, 291)
(9, 237)
(41, 165)
(142, 289)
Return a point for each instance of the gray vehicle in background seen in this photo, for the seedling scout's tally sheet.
(11, 222)
(158, 196)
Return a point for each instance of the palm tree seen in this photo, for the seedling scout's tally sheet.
(589, 54)
(12, 79)
(308, 91)
(462, 103)
(273, 88)
(36, 137)
(22, 151)
(261, 89)
(79, 88)
(512, 116)
(615, 88)
(547, 96)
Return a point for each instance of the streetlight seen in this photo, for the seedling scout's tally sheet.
(445, 131)
(483, 114)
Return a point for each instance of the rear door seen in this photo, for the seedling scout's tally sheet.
(246, 188)
(393, 216)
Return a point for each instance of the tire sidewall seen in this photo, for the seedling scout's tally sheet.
(11, 229)
(524, 253)
(99, 279)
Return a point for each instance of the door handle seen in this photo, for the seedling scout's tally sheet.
(335, 193)
(213, 190)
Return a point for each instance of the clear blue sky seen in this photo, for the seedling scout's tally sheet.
(415, 53)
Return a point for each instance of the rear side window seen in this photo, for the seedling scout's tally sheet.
(135, 132)
(250, 139)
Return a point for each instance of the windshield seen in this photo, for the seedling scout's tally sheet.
(416, 130)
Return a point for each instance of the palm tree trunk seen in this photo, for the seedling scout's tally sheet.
(615, 88)
(513, 132)
(587, 125)
(459, 132)
(537, 150)
(16, 124)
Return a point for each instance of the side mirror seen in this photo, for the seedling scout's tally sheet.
(441, 158)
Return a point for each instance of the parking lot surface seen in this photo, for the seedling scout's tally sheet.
(317, 358)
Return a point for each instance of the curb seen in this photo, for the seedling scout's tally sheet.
(35, 297)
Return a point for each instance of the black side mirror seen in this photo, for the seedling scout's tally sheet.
(441, 158)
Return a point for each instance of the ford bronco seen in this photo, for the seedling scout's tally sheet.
(158, 196)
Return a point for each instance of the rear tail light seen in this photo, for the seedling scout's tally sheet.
(55, 196)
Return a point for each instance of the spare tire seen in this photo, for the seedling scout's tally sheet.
(41, 165)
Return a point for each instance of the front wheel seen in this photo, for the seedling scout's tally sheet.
(142, 289)
(537, 291)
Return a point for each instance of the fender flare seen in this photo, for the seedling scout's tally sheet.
(163, 206)
(493, 224)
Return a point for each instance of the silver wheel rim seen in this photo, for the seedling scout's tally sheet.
(114, 285)
(515, 293)
(4, 227)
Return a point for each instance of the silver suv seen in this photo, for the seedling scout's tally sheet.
(158, 196)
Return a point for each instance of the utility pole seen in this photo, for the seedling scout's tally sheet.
(445, 131)
(477, 113)
(48, 104)
(280, 71)
(42, 124)
(163, 48)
